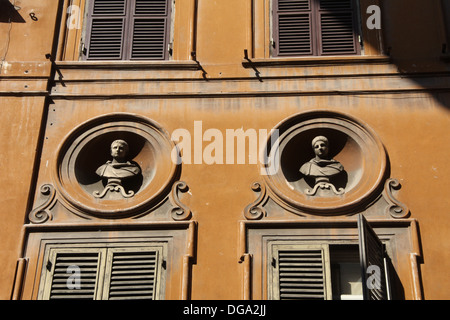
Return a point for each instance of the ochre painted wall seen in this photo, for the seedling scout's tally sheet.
(405, 99)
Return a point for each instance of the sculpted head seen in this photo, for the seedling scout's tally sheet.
(119, 149)
(320, 146)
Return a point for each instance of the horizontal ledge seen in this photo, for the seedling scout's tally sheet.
(307, 223)
(11, 70)
(23, 93)
(315, 61)
(176, 65)
(169, 225)
(260, 78)
(177, 95)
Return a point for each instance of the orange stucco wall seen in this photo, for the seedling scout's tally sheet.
(405, 101)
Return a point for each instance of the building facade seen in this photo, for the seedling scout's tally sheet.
(234, 149)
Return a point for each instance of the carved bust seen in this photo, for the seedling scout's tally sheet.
(321, 167)
(117, 169)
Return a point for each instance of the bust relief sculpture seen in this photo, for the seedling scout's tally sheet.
(321, 168)
(117, 169)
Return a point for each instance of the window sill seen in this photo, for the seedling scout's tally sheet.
(315, 61)
(118, 65)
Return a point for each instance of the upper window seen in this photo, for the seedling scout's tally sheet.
(127, 30)
(315, 27)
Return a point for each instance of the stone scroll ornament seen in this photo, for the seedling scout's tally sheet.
(117, 170)
(42, 213)
(321, 168)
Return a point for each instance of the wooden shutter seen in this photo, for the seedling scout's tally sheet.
(293, 27)
(132, 273)
(88, 262)
(106, 31)
(300, 272)
(337, 27)
(314, 27)
(372, 253)
(150, 30)
(128, 30)
(114, 273)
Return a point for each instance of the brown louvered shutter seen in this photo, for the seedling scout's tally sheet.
(338, 27)
(150, 30)
(131, 274)
(372, 253)
(103, 273)
(65, 267)
(106, 29)
(300, 272)
(127, 30)
(293, 27)
(314, 27)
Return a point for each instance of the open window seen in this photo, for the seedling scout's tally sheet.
(336, 270)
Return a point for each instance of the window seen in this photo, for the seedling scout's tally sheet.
(103, 273)
(127, 30)
(346, 272)
(316, 272)
(307, 270)
(315, 27)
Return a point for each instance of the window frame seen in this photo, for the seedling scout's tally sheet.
(400, 236)
(180, 237)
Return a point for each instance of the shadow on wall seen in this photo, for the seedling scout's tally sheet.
(417, 41)
(8, 13)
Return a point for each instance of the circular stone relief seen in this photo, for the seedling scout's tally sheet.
(115, 165)
(325, 162)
